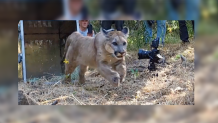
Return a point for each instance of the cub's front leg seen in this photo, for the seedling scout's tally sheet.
(120, 67)
(112, 76)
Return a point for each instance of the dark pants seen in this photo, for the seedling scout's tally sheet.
(111, 6)
(183, 30)
(107, 25)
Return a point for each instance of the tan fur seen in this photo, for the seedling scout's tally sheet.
(95, 52)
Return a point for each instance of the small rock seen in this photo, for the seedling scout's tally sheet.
(24, 100)
(183, 60)
(179, 89)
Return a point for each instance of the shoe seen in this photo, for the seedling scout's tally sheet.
(187, 41)
(161, 44)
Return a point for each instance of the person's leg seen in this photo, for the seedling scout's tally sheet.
(192, 11)
(163, 25)
(161, 30)
(119, 25)
(193, 25)
(109, 8)
(172, 9)
(129, 6)
(183, 31)
(148, 32)
(106, 24)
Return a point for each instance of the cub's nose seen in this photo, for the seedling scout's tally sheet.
(122, 53)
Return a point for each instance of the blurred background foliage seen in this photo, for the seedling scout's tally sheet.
(205, 111)
(136, 38)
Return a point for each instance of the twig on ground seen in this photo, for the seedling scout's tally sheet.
(102, 98)
(56, 83)
(81, 103)
(48, 73)
(60, 98)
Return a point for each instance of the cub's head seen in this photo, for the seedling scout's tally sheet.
(116, 42)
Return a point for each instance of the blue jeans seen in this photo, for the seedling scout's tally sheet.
(191, 11)
(148, 32)
(161, 31)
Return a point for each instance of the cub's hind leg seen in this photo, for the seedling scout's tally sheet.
(69, 68)
(82, 71)
(70, 64)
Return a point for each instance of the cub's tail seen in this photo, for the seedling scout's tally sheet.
(65, 50)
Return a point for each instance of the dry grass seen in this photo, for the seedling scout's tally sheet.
(174, 84)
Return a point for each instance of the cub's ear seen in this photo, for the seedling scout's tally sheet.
(105, 32)
(125, 31)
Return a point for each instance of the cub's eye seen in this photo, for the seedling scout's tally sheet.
(124, 43)
(115, 43)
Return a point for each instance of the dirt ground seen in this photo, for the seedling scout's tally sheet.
(171, 84)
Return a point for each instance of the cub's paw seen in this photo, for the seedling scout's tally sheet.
(115, 81)
(122, 79)
(66, 81)
(82, 80)
(81, 83)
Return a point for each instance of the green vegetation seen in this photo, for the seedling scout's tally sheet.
(177, 57)
(135, 73)
(137, 32)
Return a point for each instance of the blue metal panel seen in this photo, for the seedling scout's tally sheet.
(66, 9)
(23, 50)
(77, 25)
